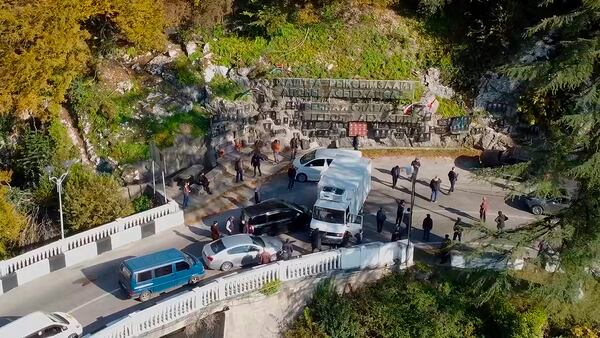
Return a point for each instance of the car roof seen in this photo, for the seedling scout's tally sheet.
(331, 204)
(154, 259)
(235, 240)
(266, 206)
(26, 325)
(327, 152)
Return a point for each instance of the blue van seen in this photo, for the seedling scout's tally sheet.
(142, 276)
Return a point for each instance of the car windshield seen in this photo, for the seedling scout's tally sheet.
(328, 215)
(217, 246)
(258, 241)
(57, 319)
(308, 157)
(188, 258)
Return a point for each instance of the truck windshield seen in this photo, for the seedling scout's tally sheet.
(328, 215)
(308, 157)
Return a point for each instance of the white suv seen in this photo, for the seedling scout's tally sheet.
(311, 165)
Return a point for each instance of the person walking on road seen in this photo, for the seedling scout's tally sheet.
(239, 170)
(416, 165)
(294, 144)
(395, 172)
(276, 147)
(214, 231)
(458, 230)
(186, 194)
(315, 240)
(445, 249)
(500, 221)
(452, 177)
(255, 161)
(427, 226)
(380, 219)
(229, 225)
(399, 213)
(435, 188)
(204, 183)
(257, 195)
(291, 177)
(355, 142)
(483, 207)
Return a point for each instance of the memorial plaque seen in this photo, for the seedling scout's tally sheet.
(344, 88)
(357, 129)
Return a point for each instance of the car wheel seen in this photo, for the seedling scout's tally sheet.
(195, 280)
(145, 295)
(537, 210)
(226, 266)
(301, 178)
(74, 335)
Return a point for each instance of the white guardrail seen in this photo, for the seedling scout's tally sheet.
(163, 314)
(87, 237)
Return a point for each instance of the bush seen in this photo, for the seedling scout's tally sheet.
(130, 152)
(449, 108)
(142, 203)
(186, 73)
(225, 88)
(11, 224)
(271, 287)
(164, 131)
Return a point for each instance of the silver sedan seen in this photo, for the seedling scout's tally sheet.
(238, 250)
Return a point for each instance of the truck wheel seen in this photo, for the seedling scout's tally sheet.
(226, 266)
(195, 280)
(537, 210)
(145, 295)
(301, 178)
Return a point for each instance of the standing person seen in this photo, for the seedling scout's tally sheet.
(239, 170)
(500, 221)
(205, 183)
(396, 236)
(416, 165)
(242, 227)
(427, 226)
(315, 240)
(483, 207)
(452, 177)
(380, 219)
(229, 225)
(445, 249)
(214, 231)
(434, 184)
(257, 195)
(294, 143)
(355, 143)
(400, 212)
(291, 177)
(395, 172)
(264, 257)
(276, 147)
(255, 161)
(186, 194)
(458, 230)
(287, 250)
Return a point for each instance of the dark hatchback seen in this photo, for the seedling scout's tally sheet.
(547, 206)
(275, 216)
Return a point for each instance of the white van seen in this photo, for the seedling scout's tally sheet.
(43, 324)
(311, 165)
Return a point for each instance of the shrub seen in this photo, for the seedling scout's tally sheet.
(164, 131)
(449, 108)
(271, 287)
(11, 224)
(142, 203)
(186, 73)
(130, 152)
(225, 88)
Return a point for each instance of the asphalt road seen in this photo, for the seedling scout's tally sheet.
(90, 291)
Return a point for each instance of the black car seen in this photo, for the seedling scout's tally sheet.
(499, 158)
(547, 206)
(275, 216)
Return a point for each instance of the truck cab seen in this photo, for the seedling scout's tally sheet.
(333, 220)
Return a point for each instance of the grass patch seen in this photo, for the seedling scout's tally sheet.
(194, 123)
(186, 73)
(130, 152)
(421, 152)
(271, 287)
(449, 108)
(225, 88)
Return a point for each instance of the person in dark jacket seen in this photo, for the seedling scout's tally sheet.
(395, 172)
(255, 161)
(434, 184)
(458, 230)
(355, 143)
(239, 170)
(346, 240)
(445, 249)
(380, 217)
(452, 177)
(315, 240)
(427, 226)
(416, 165)
(214, 231)
(186, 194)
(294, 144)
(242, 227)
(287, 250)
(396, 235)
(291, 177)
(203, 180)
(257, 195)
(501, 221)
(400, 212)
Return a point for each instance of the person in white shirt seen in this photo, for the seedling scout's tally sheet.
(229, 226)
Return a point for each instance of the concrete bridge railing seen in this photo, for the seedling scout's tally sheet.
(179, 308)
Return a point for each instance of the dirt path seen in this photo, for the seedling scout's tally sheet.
(66, 119)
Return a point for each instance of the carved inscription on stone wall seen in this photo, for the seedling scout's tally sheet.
(343, 88)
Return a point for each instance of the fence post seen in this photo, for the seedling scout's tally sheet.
(221, 288)
(282, 270)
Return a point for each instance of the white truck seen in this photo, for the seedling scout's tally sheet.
(342, 191)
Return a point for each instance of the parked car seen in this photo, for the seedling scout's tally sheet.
(43, 324)
(499, 158)
(140, 277)
(547, 206)
(275, 216)
(311, 165)
(238, 251)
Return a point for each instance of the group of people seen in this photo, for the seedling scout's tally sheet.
(187, 188)
(243, 228)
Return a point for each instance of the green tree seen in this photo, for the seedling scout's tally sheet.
(11, 224)
(34, 153)
(92, 199)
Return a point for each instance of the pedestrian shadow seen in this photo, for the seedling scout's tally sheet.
(384, 171)
(406, 190)
(378, 180)
(460, 213)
